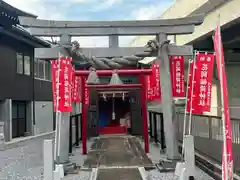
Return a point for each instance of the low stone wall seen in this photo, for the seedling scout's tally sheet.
(23, 158)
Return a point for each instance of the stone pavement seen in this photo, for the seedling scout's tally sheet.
(117, 151)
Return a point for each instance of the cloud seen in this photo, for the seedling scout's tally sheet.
(39, 8)
(105, 5)
(93, 10)
(77, 1)
(150, 12)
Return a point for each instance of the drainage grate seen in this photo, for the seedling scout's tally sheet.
(119, 174)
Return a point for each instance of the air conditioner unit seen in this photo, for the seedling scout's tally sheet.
(179, 101)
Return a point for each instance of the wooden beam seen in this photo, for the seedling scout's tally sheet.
(123, 72)
(120, 31)
(109, 86)
(53, 53)
(32, 22)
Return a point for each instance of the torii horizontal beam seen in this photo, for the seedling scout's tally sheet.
(53, 53)
(40, 27)
(110, 86)
(125, 72)
(102, 31)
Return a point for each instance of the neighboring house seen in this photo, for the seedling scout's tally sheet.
(25, 91)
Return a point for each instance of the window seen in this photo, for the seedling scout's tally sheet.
(23, 64)
(35, 67)
(42, 69)
(48, 72)
(27, 65)
(127, 81)
(19, 63)
(19, 119)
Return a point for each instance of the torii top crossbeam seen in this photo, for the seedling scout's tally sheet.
(105, 28)
(114, 56)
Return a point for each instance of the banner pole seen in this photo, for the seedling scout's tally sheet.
(222, 101)
(191, 97)
(58, 114)
(185, 113)
(56, 123)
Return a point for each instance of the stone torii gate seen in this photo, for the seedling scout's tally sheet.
(116, 57)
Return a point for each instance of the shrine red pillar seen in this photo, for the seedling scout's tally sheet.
(84, 116)
(144, 113)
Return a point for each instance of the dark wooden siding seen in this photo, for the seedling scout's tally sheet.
(17, 86)
(43, 90)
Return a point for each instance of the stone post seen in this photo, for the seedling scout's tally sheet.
(166, 91)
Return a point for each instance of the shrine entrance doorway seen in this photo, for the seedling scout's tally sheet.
(114, 112)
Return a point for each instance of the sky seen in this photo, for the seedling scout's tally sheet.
(88, 10)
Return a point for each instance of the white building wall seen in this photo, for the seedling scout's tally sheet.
(229, 12)
(178, 9)
(43, 117)
(6, 118)
(182, 8)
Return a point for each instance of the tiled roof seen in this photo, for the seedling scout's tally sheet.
(14, 10)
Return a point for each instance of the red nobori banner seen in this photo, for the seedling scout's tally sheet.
(76, 88)
(177, 75)
(54, 66)
(86, 92)
(155, 85)
(191, 80)
(200, 84)
(227, 155)
(65, 85)
(149, 88)
(191, 106)
(204, 75)
(73, 83)
(62, 86)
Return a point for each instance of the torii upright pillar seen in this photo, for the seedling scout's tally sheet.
(165, 81)
(63, 123)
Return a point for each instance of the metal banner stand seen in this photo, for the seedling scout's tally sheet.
(185, 112)
(186, 169)
(58, 166)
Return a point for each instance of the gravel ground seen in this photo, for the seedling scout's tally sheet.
(155, 156)
(23, 167)
(156, 175)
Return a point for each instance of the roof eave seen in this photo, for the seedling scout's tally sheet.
(16, 10)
